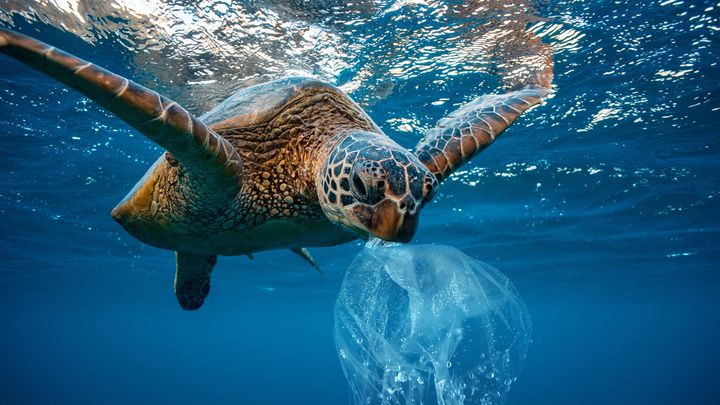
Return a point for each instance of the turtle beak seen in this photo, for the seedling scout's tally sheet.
(389, 222)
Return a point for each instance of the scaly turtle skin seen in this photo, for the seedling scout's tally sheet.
(285, 164)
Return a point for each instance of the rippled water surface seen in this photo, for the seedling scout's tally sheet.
(600, 205)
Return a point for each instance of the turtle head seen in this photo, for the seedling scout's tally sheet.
(373, 187)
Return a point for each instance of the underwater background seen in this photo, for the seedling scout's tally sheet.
(601, 205)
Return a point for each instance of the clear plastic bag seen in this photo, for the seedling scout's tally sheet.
(428, 324)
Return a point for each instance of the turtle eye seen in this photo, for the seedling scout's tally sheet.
(369, 194)
(359, 185)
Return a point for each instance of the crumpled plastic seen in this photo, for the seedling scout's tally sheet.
(426, 324)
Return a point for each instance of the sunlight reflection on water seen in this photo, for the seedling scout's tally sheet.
(217, 47)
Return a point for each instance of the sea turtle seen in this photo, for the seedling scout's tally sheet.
(288, 164)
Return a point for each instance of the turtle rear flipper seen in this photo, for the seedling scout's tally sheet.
(192, 279)
(191, 142)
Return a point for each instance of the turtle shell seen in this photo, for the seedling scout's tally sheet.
(260, 103)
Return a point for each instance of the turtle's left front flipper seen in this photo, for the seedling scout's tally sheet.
(192, 279)
(470, 129)
(191, 142)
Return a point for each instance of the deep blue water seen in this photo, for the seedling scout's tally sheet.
(601, 205)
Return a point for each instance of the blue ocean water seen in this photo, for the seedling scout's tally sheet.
(600, 205)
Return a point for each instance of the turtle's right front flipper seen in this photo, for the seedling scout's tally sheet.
(469, 130)
(190, 141)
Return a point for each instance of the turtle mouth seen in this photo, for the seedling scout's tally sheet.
(387, 222)
(404, 231)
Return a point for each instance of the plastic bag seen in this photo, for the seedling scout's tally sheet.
(428, 324)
